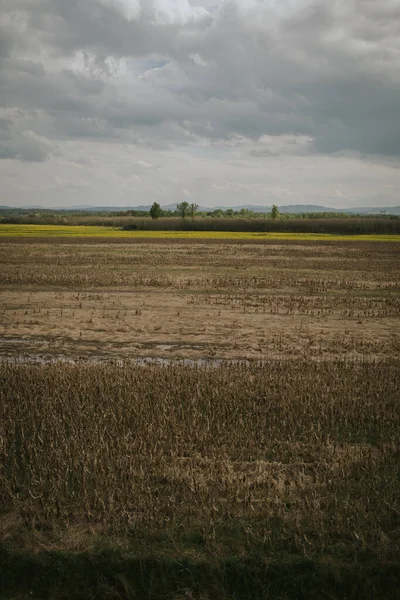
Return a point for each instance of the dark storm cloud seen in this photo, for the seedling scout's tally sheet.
(95, 26)
(328, 71)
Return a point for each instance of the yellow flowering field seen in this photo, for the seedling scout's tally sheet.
(114, 232)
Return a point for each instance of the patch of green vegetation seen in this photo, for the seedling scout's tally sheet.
(114, 232)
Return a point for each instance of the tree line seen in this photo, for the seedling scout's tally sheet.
(184, 210)
(187, 218)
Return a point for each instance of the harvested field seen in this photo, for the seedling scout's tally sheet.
(265, 467)
(126, 446)
(175, 300)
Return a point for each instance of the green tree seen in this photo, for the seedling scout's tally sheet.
(274, 212)
(155, 211)
(193, 207)
(183, 209)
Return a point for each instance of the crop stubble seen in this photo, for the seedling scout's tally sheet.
(180, 300)
(299, 453)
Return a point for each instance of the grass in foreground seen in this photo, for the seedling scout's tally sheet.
(113, 232)
(238, 481)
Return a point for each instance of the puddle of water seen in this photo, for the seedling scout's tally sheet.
(166, 346)
(13, 340)
(143, 361)
(44, 358)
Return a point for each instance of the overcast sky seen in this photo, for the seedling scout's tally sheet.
(219, 102)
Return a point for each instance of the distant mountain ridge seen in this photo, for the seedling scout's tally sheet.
(289, 209)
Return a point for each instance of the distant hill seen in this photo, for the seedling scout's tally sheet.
(309, 208)
(314, 208)
(289, 209)
(388, 210)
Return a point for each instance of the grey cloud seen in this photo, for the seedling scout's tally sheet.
(262, 153)
(25, 145)
(98, 27)
(326, 71)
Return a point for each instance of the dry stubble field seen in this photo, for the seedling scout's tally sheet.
(276, 477)
(200, 300)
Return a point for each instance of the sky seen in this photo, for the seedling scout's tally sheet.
(218, 102)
